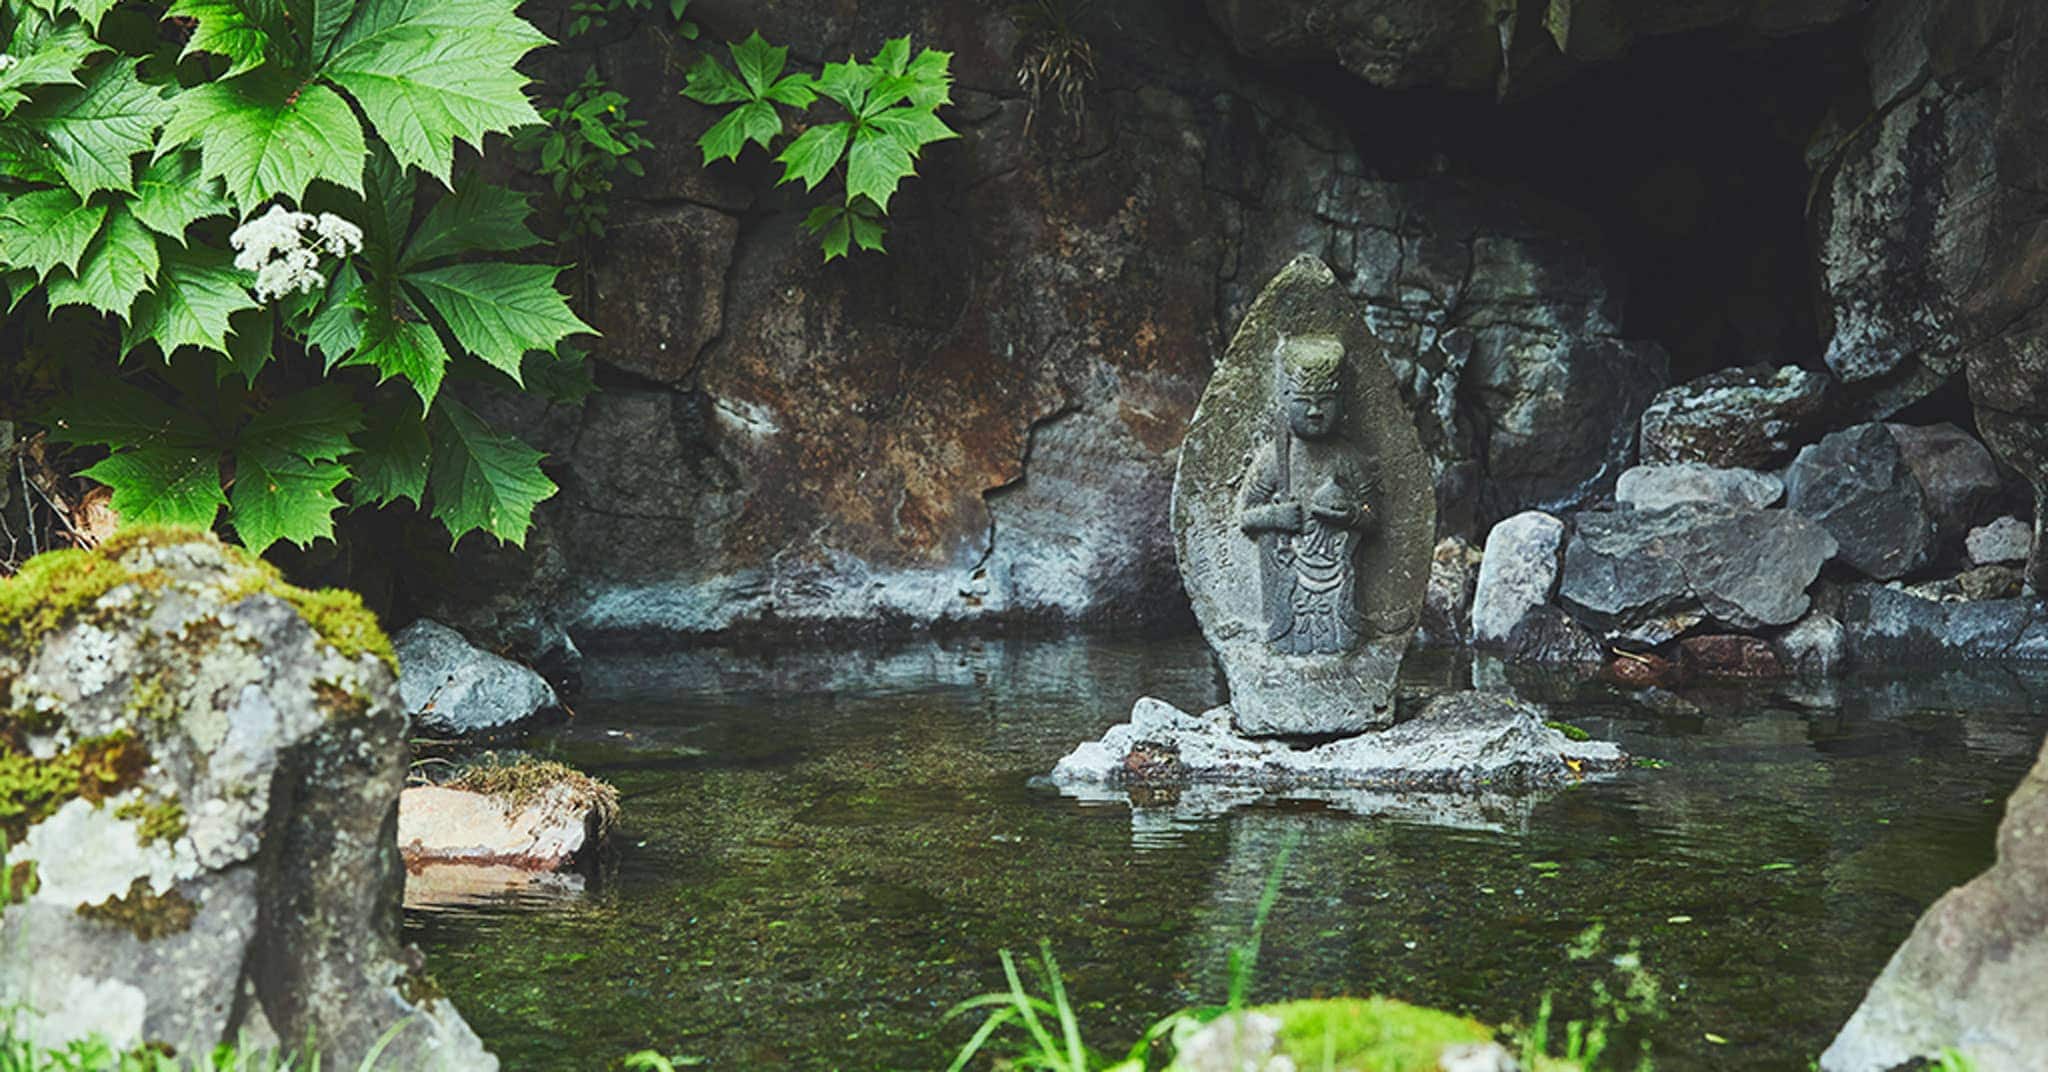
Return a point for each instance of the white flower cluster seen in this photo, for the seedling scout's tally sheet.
(284, 247)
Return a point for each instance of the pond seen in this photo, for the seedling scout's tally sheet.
(821, 854)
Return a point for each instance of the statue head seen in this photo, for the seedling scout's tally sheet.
(1312, 368)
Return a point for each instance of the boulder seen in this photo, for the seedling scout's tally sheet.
(1888, 626)
(1817, 644)
(1548, 636)
(2007, 539)
(530, 814)
(1973, 975)
(1447, 606)
(1647, 576)
(1654, 487)
(1955, 472)
(1517, 574)
(217, 759)
(452, 688)
(1737, 418)
(1856, 484)
(1730, 655)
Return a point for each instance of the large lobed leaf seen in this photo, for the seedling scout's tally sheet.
(268, 134)
(91, 133)
(481, 479)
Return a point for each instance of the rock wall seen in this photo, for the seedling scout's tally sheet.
(979, 429)
(981, 426)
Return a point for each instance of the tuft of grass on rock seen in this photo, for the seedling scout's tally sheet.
(524, 780)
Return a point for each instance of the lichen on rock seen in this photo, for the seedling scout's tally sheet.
(199, 768)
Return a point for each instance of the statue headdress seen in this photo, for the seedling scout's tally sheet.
(1312, 364)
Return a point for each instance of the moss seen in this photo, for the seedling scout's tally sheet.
(341, 619)
(420, 989)
(1571, 732)
(523, 780)
(162, 821)
(1376, 1034)
(51, 588)
(143, 912)
(32, 789)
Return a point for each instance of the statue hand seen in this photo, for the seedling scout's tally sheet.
(1287, 516)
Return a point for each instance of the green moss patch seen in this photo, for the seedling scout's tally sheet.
(521, 781)
(1376, 1035)
(32, 789)
(51, 588)
(341, 619)
(143, 912)
(160, 821)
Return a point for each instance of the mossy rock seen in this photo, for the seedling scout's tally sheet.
(1344, 1035)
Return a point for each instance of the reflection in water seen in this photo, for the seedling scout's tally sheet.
(823, 854)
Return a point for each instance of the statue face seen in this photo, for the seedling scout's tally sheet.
(1314, 416)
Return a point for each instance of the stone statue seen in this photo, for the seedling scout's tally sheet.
(1305, 513)
(1305, 501)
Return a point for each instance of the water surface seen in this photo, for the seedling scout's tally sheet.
(822, 854)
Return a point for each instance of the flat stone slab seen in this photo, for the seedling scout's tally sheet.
(1462, 743)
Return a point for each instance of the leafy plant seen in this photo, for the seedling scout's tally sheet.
(249, 367)
(588, 15)
(580, 144)
(890, 114)
(1587, 1042)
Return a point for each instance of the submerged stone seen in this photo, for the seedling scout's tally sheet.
(1304, 514)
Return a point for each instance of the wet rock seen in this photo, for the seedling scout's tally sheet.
(1856, 484)
(1955, 473)
(1648, 576)
(1817, 644)
(1888, 626)
(1517, 574)
(2007, 539)
(1461, 742)
(1973, 975)
(226, 872)
(1990, 582)
(528, 814)
(1646, 670)
(1654, 487)
(1447, 606)
(455, 689)
(1735, 419)
(1731, 655)
(1548, 636)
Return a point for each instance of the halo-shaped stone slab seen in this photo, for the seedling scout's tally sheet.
(1241, 414)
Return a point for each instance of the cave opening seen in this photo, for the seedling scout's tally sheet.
(1687, 155)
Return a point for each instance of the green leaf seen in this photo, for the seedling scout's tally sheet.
(847, 84)
(709, 82)
(92, 11)
(336, 330)
(391, 459)
(757, 122)
(430, 73)
(813, 155)
(931, 76)
(867, 233)
(120, 264)
(252, 337)
(405, 348)
(223, 28)
(92, 132)
(894, 56)
(281, 497)
(500, 311)
(163, 485)
(269, 136)
(314, 424)
(119, 415)
(563, 376)
(875, 165)
(482, 480)
(760, 64)
(477, 216)
(195, 294)
(830, 224)
(45, 56)
(45, 229)
(319, 22)
(172, 195)
(912, 128)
